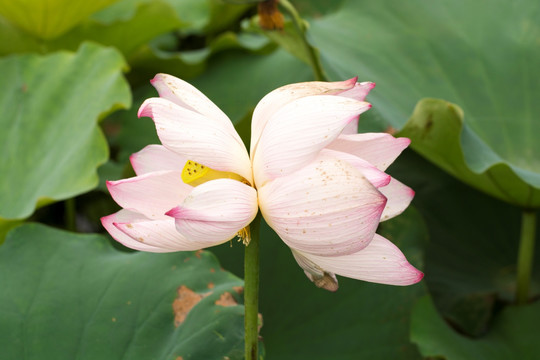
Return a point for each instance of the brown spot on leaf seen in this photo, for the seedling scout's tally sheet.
(210, 285)
(238, 289)
(113, 319)
(212, 270)
(198, 254)
(184, 302)
(179, 358)
(226, 299)
(390, 130)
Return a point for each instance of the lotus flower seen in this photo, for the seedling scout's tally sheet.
(317, 183)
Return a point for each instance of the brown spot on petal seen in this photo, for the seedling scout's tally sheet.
(226, 299)
(184, 302)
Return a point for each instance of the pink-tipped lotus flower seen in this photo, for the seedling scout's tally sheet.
(317, 183)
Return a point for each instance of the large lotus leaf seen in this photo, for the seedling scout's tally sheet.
(48, 19)
(69, 296)
(514, 335)
(480, 55)
(359, 321)
(470, 262)
(435, 128)
(50, 142)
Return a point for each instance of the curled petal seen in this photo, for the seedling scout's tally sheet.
(126, 240)
(358, 92)
(187, 96)
(214, 212)
(156, 158)
(280, 97)
(380, 149)
(380, 262)
(296, 133)
(326, 208)
(317, 275)
(152, 194)
(399, 197)
(197, 137)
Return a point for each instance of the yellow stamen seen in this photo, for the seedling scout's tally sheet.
(244, 235)
(196, 174)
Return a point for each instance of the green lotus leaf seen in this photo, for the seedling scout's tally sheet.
(470, 262)
(439, 133)
(481, 56)
(50, 141)
(70, 296)
(48, 19)
(513, 336)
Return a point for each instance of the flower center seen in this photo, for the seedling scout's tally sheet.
(196, 174)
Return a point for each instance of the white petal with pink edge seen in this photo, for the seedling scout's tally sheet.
(326, 208)
(380, 262)
(375, 176)
(156, 158)
(197, 137)
(158, 233)
(186, 95)
(126, 240)
(215, 211)
(380, 149)
(299, 131)
(280, 97)
(399, 197)
(152, 194)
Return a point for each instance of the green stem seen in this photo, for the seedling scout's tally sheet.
(525, 255)
(251, 291)
(69, 215)
(312, 53)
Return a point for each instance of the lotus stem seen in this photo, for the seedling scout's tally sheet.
(251, 291)
(525, 256)
(300, 27)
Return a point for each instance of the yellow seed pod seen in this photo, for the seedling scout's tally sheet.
(195, 174)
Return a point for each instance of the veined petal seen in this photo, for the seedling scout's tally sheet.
(380, 262)
(197, 137)
(186, 95)
(297, 132)
(126, 240)
(380, 149)
(375, 176)
(280, 97)
(326, 208)
(152, 194)
(214, 212)
(161, 234)
(399, 197)
(156, 158)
